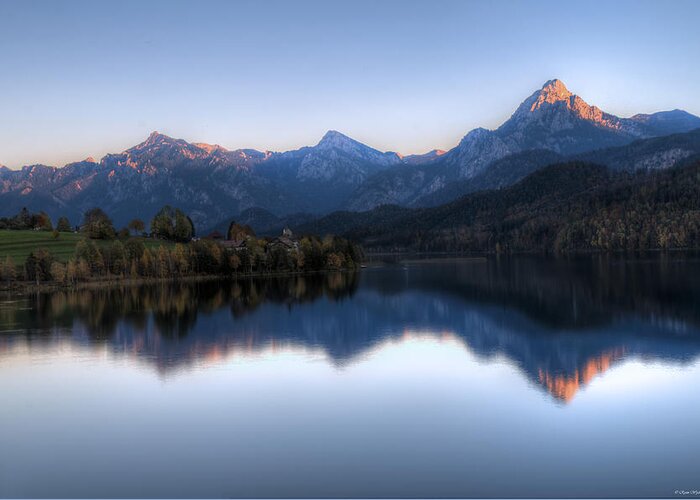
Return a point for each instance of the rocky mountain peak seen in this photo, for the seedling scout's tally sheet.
(552, 92)
(334, 139)
(555, 89)
(156, 138)
(552, 111)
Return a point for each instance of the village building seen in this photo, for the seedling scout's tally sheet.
(237, 244)
(286, 241)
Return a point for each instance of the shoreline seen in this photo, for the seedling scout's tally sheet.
(369, 254)
(24, 287)
(372, 260)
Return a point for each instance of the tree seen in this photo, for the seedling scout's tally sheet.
(8, 270)
(194, 231)
(82, 270)
(234, 262)
(162, 262)
(335, 260)
(114, 255)
(37, 266)
(42, 222)
(146, 263)
(238, 232)
(63, 225)
(134, 270)
(23, 220)
(180, 259)
(97, 225)
(184, 229)
(136, 226)
(297, 257)
(58, 272)
(172, 224)
(71, 271)
(134, 249)
(87, 251)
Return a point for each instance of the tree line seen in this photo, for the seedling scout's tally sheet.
(39, 221)
(567, 207)
(106, 254)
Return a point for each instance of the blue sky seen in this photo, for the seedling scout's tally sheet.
(87, 78)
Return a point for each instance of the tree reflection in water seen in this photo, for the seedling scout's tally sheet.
(562, 322)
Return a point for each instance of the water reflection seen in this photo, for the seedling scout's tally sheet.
(561, 322)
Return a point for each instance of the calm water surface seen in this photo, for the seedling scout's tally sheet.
(465, 378)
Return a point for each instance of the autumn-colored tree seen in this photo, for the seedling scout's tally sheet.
(136, 226)
(58, 272)
(238, 232)
(8, 270)
(71, 271)
(42, 221)
(97, 225)
(180, 259)
(87, 251)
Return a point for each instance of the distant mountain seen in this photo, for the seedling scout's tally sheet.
(656, 153)
(322, 177)
(428, 157)
(389, 225)
(213, 184)
(209, 182)
(551, 119)
(501, 173)
(668, 122)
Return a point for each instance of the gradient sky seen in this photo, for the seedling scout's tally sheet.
(86, 78)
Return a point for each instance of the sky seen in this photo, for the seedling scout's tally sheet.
(84, 79)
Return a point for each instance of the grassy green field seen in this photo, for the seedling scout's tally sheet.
(18, 244)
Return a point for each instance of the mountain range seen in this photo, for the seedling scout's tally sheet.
(213, 184)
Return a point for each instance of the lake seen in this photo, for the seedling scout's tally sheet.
(498, 377)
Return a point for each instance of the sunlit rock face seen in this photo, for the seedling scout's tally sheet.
(554, 118)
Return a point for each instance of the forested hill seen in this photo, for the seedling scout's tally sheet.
(562, 207)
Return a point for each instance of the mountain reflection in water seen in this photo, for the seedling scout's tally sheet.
(561, 322)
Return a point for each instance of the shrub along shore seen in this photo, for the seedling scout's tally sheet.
(171, 251)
